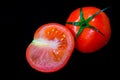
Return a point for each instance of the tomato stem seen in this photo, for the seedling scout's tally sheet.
(84, 23)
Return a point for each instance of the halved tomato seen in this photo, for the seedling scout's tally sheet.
(51, 48)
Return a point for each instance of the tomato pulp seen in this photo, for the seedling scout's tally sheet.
(51, 48)
(91, 27)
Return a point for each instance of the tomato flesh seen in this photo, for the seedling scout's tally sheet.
(51, 48)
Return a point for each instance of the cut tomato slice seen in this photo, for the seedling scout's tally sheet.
(51, 48)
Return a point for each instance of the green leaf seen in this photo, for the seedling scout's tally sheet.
(74, 23)
(97, 30)
(81, 16)
(80, 30)
(91, 17)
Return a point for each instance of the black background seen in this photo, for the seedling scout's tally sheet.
(32, 14)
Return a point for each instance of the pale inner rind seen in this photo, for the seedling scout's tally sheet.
(46, 43)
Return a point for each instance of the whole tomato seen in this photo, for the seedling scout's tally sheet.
(91, 27)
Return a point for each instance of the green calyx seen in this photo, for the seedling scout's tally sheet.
(85, 23)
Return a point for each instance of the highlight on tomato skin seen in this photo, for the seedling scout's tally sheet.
(51, 48)
(91, 28)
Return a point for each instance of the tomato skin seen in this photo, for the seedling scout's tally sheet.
(89, 40)
(47, 63)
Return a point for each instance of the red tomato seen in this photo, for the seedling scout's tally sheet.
(51, 48)
(91, 27)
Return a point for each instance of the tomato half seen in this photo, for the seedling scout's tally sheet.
(91, 27)
(51, 48)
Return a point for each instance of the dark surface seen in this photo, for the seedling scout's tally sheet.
(32, 14)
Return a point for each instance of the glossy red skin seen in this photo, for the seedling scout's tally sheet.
(31, 46)
(89, 40)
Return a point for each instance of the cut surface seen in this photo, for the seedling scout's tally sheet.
(51, 48)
